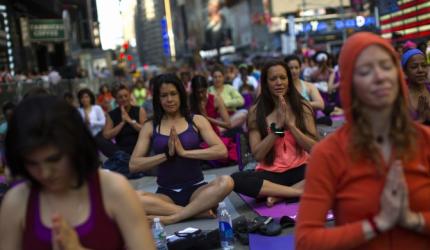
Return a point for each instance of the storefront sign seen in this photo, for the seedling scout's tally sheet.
(46, 30)
(324, 26)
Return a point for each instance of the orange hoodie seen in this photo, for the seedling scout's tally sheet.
(353, 189)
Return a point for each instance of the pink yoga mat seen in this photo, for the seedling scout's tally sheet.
(278, 210)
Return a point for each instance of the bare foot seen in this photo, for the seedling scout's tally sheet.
(270, 201)
(210, 214)
(168, 220)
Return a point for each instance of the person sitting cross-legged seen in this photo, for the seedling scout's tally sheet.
(281, 134)
(175, 137)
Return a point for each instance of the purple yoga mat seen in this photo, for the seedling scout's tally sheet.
(338, 117)
(257, 242)
(319, 114)
(278, 210)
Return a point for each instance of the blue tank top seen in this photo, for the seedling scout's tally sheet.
(179, 172)
(304, 93)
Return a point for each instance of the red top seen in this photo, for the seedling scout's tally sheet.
(212, 112)
(98, 232)
(353, 191)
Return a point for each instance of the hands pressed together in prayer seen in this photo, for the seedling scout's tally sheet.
(64, 236)
(282, 117)
(394, 203)
(174, 144)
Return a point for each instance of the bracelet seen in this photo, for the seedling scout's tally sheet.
(373, 225)
(277, 131)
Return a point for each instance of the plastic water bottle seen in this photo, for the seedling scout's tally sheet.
(159, 235)
(225, 227)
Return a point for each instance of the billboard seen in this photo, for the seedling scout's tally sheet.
(217, 29)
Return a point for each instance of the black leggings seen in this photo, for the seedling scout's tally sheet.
(250, 183)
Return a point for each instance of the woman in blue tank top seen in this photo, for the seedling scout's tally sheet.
(175, 136)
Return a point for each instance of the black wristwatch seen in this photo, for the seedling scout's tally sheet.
(277, 131)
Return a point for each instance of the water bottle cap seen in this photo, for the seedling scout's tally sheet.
(156, 219)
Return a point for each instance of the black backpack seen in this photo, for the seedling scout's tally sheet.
(118, 162)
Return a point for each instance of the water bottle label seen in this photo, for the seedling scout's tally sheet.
(161, 235)
(226, 231)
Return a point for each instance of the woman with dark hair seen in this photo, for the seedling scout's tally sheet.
(67, 202)
(175, 137)
(373, 172)
(281, 134)
(123, 123)
(92, 114)
(208, 105)
(306, 89)
(416, 70)
(212, 107)
(105, 98)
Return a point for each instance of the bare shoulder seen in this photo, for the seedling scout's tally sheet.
(252, 111)
(310, 86)
(252, 118)
(112, 183)
(15, 202)
(200, 120)
(147, 127)
(116, 192)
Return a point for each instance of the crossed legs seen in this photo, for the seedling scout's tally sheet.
(201, 202)
(274, 186)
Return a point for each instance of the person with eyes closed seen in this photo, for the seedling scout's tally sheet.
(373, 172)
(175, 137)
(66, 202)
(282, 132)
(416, 70)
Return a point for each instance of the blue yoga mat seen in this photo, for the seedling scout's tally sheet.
(260, 242)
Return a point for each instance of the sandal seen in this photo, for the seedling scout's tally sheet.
(287, 222)
(268, 226)
(240, 229)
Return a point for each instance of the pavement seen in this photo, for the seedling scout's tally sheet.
(234, 200)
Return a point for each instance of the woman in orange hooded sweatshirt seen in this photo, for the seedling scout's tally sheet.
(374, 172)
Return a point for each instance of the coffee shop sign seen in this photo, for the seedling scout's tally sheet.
(321, 26)
(46, 29)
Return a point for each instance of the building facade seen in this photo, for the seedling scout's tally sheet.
(49, 33)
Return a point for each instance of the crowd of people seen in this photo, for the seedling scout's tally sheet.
(372, 172)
